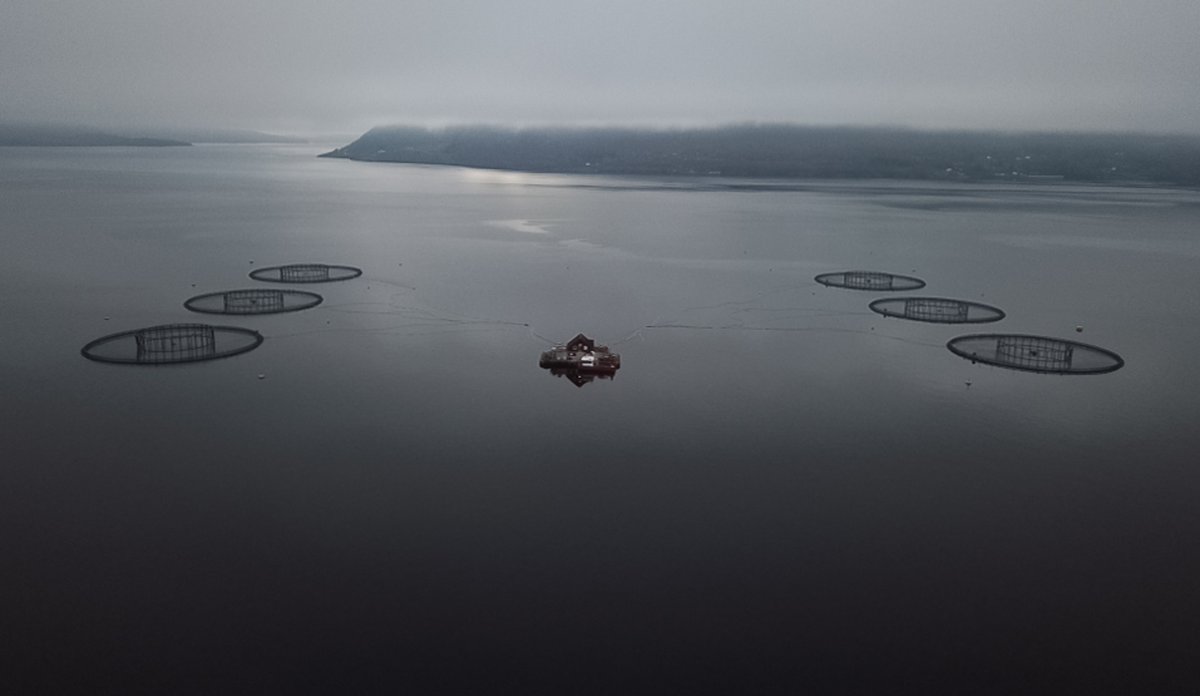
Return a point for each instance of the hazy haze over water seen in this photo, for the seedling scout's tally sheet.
(318, 67)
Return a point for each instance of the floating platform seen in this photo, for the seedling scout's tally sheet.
(869, 280)
(939, 310)
(253, 301)
(1036, 354)
(169, 344)
(582, 356)
(305, 273)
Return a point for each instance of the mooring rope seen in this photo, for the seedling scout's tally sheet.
(426, 317)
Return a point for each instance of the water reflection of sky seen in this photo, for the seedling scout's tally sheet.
(775, 472)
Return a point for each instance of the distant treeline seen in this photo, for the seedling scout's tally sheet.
(785, 151)
(42, 135)
(26, 135)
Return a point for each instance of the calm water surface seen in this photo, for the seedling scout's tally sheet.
(780, 490)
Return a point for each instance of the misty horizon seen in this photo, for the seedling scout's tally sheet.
(441, 127)
(305, 70)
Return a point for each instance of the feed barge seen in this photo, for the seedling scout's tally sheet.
(581, 353)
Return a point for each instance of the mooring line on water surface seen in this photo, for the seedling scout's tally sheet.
(426, 316)
(411, 329)
(791, 329)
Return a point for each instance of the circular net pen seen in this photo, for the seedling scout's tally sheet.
(253, 301)
(938, 310)
(869, 280)
(1036, 354)
(305, 273)
(170, 344)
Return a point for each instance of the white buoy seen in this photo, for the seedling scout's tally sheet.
(1079, 328)
(262, 376)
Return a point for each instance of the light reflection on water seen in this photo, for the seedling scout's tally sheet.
(776, 471)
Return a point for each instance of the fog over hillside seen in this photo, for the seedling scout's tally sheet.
(789, 151)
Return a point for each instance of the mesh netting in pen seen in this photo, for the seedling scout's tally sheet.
(253, 301)
(305, 273)
(1035, 353)
(172, 343)
(939, 310)
(175, 343)
(869, 280)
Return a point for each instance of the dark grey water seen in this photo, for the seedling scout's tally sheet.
(780, 489)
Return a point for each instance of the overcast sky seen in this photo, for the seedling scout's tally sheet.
(302, 66)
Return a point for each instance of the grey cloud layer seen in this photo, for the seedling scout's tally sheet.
(1045, 64)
